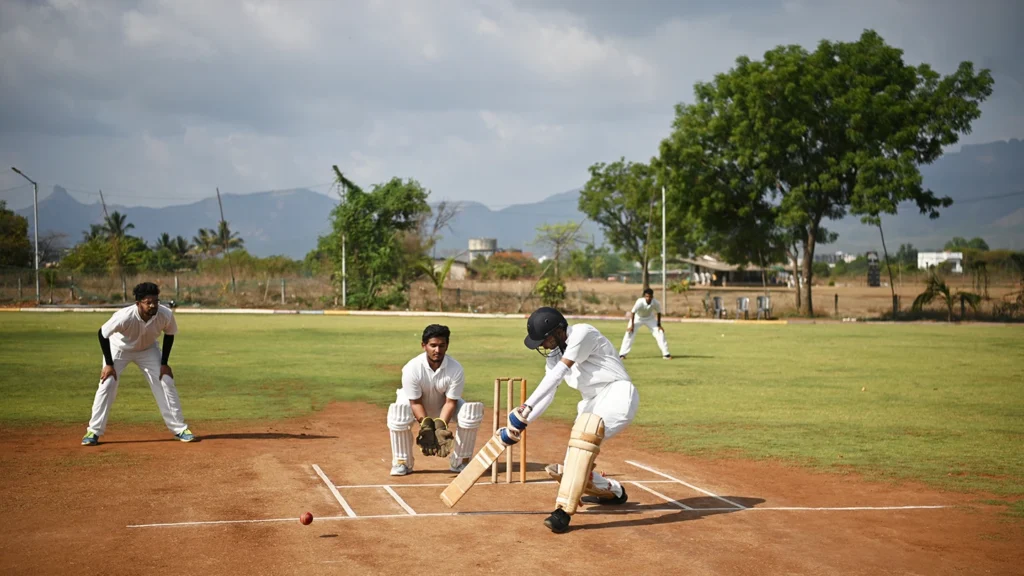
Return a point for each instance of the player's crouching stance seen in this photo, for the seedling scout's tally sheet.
(431, 394)
(587, 361)
(130, 336)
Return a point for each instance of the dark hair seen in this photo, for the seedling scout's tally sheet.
(436, 331)
(648, 291)
(145, 289)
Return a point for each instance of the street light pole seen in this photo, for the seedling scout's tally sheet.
(35, 223)
(664, 293)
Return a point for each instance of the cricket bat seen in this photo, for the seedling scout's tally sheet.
(473, 471)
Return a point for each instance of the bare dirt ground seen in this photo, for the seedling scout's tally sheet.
(68, 509)
(856, 298)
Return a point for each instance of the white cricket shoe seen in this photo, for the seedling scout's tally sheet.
(401, 469)
(456, 464)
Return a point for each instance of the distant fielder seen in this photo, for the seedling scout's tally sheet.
(431, 394)
(586, 360)
(130, 336)
(646, 311)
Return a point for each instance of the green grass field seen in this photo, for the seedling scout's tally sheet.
(941, 404)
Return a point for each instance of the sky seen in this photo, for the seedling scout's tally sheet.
(157, 102)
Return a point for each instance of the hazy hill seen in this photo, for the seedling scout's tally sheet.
(289, 222)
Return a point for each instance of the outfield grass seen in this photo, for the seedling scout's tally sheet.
(937, 403)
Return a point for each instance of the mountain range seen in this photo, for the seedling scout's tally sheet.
(986, 182)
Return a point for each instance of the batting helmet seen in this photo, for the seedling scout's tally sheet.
(541, 324)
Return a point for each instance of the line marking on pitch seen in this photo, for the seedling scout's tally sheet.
(535, 513)
(443, 484)
(341, 500)
(662, 496)
(400, 501)
(687, 484)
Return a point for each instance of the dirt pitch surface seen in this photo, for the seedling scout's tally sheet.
(143, 503)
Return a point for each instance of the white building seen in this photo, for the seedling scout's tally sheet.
(926, 260)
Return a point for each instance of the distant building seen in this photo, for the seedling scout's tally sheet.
(926, 260)
(485, 247)
(460, 267)
(834, 258)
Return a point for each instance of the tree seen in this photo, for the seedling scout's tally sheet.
(15, 248)
(95, 231)
(936, 289)
(560, 238)
(839, 130)
(907, 255)
(621, 197)
(438, 277)
(206, 242)
(372, 223)
(117, 225)
(958, 244)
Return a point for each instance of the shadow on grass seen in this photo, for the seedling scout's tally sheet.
(230, 436)
(703, 506)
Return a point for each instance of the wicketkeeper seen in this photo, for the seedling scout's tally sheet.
(431, 395)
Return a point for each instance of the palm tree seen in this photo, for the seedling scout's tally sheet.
(95, 231)
(180, 246)
(227, 239)
(116, 225)
(205, 242)
(936, 289)
(438, 276)
(164, 241)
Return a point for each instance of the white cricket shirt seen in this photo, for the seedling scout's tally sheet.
(127, 331)
(596, 361)
(431, 387)
(643, 310)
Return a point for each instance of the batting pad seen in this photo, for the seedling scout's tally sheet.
(471, 415)
(400, 421)
(584, 446)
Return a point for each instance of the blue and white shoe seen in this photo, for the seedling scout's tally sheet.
(90, 439)
(185, 435)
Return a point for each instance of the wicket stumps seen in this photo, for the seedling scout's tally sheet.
(497, 424)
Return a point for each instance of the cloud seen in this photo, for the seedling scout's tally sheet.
(501, 101)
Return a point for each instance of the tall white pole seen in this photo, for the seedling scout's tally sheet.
(344, 276)
(664, 293)
(35, 232)
(35, 224)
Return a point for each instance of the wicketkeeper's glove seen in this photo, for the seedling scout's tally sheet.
(445, 438)
(427, 437)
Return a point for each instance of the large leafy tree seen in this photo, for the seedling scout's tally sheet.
(374, 223)
(15, 248)
(818, 135)
(621, 197)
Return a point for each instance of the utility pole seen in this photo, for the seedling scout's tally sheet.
(226, 240)
(664, 292)
(117, 249)
(343, 185)
(35, 223)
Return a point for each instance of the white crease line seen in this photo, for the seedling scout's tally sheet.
(662, 496)
(400, 501)
(440, 484)
(344, 504)
(530, 513)
(687, 484)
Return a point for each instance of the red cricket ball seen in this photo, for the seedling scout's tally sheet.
(306, 518)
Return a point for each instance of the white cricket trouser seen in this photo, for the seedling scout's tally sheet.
(652, 324)
(616, 404)
(164, 392)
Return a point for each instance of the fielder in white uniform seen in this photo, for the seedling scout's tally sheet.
(130, 336)
(431, 394)
(646, 311)
(586, 360)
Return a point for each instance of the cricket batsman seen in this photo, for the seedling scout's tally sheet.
(586, 360)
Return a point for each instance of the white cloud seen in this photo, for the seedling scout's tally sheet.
(500, 100)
